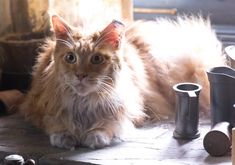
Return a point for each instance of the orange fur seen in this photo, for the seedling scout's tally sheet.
(133, 82)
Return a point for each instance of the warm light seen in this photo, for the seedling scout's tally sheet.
(95, 13)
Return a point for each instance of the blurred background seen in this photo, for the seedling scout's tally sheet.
(25, 24)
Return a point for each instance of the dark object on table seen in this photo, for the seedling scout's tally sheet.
(19, 81)
(186, 121)
(17, 160)
(29, 162)
(217, 142)
(20, 52)
(13, 160)
(3, 109)
(222, 93)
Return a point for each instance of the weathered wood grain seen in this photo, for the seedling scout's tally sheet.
(150, 145)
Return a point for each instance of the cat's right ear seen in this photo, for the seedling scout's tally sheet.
(61, 28)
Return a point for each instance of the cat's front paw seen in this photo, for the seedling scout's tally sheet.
(63, 140)
(97, 139)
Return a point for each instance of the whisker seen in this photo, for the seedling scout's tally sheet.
(109, 102)
(107, 78)
(110, 92)
(67, 84)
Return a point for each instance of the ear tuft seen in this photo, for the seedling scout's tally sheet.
(111, 36)
(61, 28)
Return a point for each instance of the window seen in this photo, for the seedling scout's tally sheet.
(221, 13)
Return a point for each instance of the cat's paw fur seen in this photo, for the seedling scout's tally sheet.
(97, 139)
(63, 140)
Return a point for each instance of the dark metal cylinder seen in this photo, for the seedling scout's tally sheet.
(187, 112)
(222, 93)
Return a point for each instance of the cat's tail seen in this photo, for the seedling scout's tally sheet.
(183, 50)
(174, 39)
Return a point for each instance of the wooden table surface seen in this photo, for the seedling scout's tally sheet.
(154, 145)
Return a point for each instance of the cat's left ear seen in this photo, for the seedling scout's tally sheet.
(61, 28)
(111, 36)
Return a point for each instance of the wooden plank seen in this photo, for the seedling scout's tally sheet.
(233, 146)
(155, 11)
(147, 146)
(20, 137)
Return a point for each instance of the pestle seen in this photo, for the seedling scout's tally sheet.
(217, 141)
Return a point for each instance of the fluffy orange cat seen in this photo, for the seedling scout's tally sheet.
(86, 88)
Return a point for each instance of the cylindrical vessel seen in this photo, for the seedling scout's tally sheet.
(217, 141)
(222, 93)
(187, 112)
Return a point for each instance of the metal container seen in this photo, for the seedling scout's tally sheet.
(187, 112)
(222, 93)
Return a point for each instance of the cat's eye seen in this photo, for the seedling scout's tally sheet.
(70, 58)
(97, 59)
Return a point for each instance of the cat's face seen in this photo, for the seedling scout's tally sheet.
(87, 64)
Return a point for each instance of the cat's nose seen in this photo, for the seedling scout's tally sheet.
(81, 76)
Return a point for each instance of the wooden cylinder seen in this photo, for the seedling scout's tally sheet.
(233, 146)
(127, 10)
(217, 141)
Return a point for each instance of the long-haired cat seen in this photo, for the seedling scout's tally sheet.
(87, 88)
